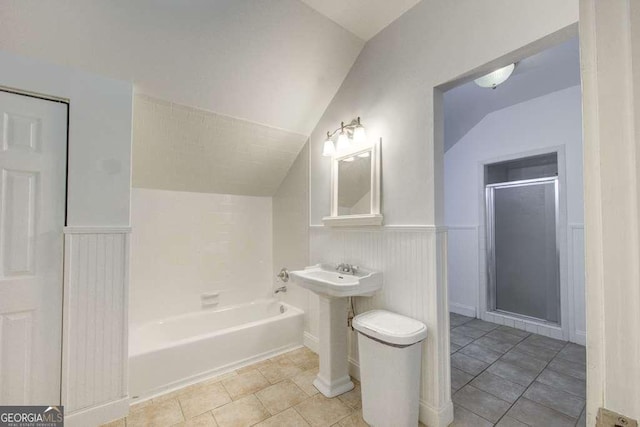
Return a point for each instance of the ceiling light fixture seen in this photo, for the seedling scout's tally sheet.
(353, 131)
(493, 79)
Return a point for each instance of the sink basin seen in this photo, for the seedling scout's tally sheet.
(333, 288)
(325, 280)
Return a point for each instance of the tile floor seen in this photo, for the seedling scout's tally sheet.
(507, 377)
(273, 393)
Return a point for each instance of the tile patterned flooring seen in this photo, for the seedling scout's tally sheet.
(507, 377)
(273, 393)
(499, 376)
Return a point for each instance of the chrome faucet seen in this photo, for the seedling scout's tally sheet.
(347, 268)
(280, 289)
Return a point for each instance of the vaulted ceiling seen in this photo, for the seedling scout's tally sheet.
(549, 71)
(274, 62)
(364, 18)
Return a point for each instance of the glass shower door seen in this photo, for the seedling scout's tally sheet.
(523, 262)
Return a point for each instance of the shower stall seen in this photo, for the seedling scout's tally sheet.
(522, 212)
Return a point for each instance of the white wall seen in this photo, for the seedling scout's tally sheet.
(185, 244)
(610, 51)
(391, 86)
(99, 136)
(546, 122)
(276, 62)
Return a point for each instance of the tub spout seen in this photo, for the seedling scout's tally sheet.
(280, 289)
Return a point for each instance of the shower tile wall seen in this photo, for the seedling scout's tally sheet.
(185, 244)
(408, 257)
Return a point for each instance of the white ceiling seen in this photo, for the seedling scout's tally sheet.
(364, 18)
(546, 72)
(274, 62)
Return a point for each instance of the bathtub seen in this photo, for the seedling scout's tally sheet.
(181, 350)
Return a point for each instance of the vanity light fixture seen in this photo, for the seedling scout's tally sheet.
(352, 132)
(493, 79)
(329, 149)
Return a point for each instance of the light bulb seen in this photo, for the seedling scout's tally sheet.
(496, 77)
(329, 149)
(343, 142)
(365, 154)
(349, 159)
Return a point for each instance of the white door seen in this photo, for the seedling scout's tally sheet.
(33, 157)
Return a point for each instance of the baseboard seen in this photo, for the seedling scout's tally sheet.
(310, 341)
(433, 417)
(580, 337)
(354, 368)
(98, 415)
(464, 310)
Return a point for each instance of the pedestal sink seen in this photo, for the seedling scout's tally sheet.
(333, 288)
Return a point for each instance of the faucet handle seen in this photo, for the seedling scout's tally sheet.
(283, 275)
(355, 269)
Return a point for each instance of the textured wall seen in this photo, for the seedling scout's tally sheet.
(187, 149)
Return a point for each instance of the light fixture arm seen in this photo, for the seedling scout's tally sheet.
(349, 128)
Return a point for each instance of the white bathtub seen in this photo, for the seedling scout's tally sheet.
(180, 350)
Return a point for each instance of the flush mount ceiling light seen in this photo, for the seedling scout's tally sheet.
(347, 134)
(493, 79)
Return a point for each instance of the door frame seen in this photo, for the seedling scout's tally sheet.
(536, 46)
(66, 102)
(491, 247)
(564, 330)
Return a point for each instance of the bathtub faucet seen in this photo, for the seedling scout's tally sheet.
(347, 268)
(280, 289)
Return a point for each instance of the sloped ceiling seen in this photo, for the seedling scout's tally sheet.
(364, 18)
(274, 62)
(227, 90)
(546, 72)
(180, 148)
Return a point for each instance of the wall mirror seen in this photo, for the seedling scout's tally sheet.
(355, 187)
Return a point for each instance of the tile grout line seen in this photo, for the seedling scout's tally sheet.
(527, 388)
(491, 364)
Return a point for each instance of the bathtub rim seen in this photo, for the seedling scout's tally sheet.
(290, 312)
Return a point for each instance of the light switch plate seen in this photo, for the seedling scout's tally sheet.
(607, 418)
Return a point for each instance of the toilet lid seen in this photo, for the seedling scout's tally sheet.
(390, 327)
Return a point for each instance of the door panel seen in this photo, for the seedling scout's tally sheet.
(525, 256)
(32, 208)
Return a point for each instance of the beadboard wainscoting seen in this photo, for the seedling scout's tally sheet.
(463, 269)
(95, 325)
(467, 273)
(412, 260)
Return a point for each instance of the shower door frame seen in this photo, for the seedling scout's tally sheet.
(491, 248)
(565, 330)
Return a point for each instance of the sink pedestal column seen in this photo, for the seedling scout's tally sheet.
(333, 378)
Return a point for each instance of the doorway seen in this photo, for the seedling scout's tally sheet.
(523, 235)
(514, 211)
(33, 159)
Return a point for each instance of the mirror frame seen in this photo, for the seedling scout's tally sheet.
(374, 217)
